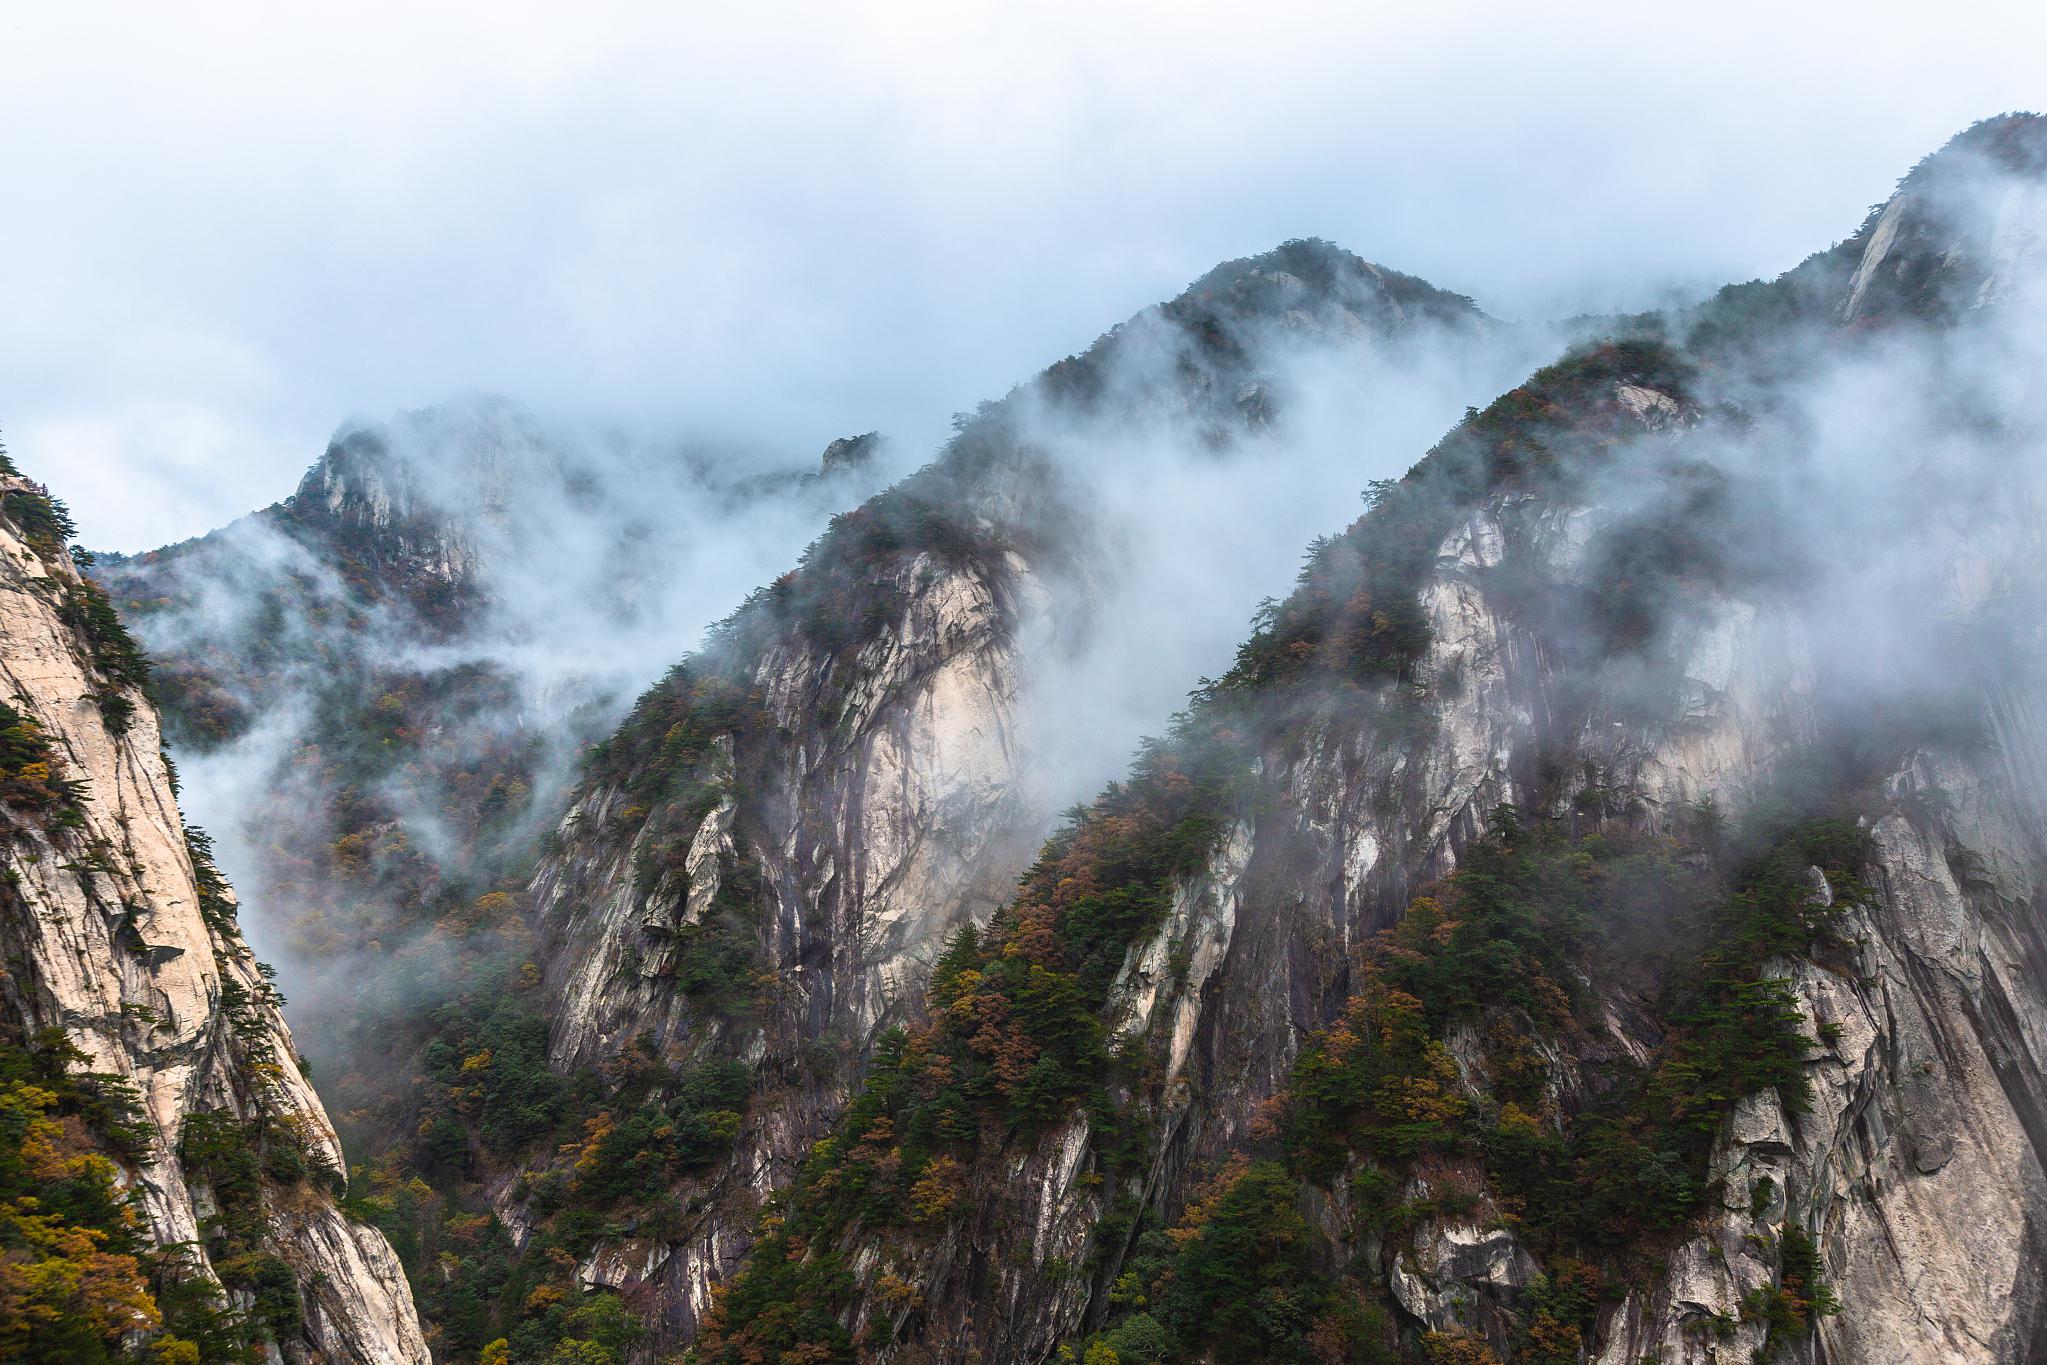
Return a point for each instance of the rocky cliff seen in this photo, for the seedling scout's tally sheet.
(1596, 918)
(764, 863)
(1587, 923)
(378, 685)
(161, 1059)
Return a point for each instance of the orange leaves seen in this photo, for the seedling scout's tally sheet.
(1033, 934)
(1457, 1348)
(877, 1150)
(67, 1278)
(1012, 1057)
(595, 1130)
(1266, 1118)
(986, 1014)
(1427, 1098)
(1207, 1197)
(53, 1272)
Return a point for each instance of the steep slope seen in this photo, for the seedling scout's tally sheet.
(153, 1088)
(1598, 917)
(768, 855)
(869, 704)
(379, 684)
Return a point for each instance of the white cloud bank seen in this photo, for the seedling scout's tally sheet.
(225, 228)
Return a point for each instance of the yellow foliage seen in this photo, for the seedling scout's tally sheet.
(594, 1132)
(53, 1272)
(1518, 1122)
(1206, 1198)
(897, 1292)
(938, 1189)
(1457, 1348)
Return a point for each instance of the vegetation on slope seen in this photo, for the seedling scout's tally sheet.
(79, 1279)
(988, 494)
(1013, 1041)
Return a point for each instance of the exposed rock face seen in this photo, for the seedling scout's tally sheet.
(1361, 813)
(904, 815)
(378, 684)
(110, 941)
(1917, 1168)
(766, 861)
(887, 788)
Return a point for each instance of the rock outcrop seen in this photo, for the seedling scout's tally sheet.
(121, 941)
(1598, 918)
(854, 770)
(1607, 641)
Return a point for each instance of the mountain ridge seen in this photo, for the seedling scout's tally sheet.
(1569, 701)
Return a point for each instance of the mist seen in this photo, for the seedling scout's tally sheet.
(1878, 487)
(1195, 542)
(561, 566)
(558, 568)
(803, 220)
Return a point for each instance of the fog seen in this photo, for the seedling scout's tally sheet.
(1879, 490)
(777, 224)
(1195, 541)
(590, 559)
(1880, 486)
(562, 565)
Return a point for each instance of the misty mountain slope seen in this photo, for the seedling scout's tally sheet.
(772, 849)
(429, 528)
(170, 1179)
(1946, 242)
(376, 684)
(379, 684)
(871, 703)
(1597, 918)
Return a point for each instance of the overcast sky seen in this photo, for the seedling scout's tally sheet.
(225, 228)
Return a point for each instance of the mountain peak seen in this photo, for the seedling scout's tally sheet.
(850, 452)
(1309, 278)
(1958, 226)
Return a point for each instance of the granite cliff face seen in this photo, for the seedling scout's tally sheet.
(1597, 917)
(1350, 1099)
(767, 859)
(121, 943)
(378, 685)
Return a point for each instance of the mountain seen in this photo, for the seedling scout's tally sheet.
(379, 685)
(1594, 916)
(760, 867)
(171, 1182)
(888, 705)
(1597, 918)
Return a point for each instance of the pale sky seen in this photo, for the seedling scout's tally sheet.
(224, 228)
